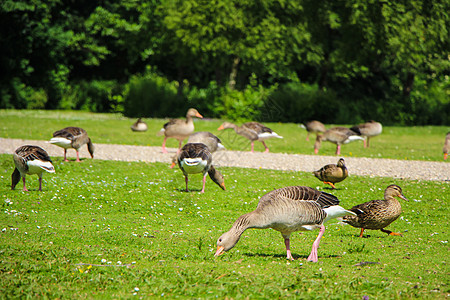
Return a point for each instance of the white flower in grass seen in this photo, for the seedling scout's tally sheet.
(119, 262)
(136, 289)
(103, 260)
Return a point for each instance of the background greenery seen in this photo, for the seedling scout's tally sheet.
(336, 61)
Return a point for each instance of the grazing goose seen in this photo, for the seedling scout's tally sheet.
(210, 140)
(377, 214)
(331, 174)
(313, 127)
(195, 158)
(253, 131)
(179, 129)
(72, 137)
(139, 126)
(368, 129)
(287, 210)
(338, 136)
(446, 145)
(30, 160)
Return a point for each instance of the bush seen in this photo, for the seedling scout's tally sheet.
(95, 96)
(300, 102)
(151, 95)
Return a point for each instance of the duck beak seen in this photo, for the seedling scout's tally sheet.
(403, 197)
(199, 115)
(221, 127)
(219, 250)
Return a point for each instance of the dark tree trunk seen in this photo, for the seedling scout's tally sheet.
(180, 76)
(408, 85)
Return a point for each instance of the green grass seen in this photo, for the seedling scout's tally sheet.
(104, 212)
(412, 143)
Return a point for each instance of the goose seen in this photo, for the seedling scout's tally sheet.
(368, 129)
(331, 174)
(179, 129)
(377, 214)
(139, 126)
(30, 160)
(210, 140)
(195, 158)
(72, 137)
(253, 131)
(288, 209)
(446, 145)
(338, 136)
(313, 127)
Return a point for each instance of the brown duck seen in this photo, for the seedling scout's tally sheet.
(378, 214)
(72, 137)
(331, 174)
(289, 209)
(196, 158)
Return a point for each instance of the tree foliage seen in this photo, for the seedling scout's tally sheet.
(374, 58)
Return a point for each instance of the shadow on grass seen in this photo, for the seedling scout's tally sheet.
(296, 256)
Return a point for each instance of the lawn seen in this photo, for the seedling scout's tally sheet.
(106, 229)
(412, 143)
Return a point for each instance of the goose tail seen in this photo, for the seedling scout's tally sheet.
(336, 211)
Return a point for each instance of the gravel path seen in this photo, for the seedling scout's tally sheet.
(420, 170)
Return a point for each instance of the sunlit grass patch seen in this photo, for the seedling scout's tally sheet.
(102, 229)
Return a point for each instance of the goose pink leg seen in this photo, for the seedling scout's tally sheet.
(186, 179)
(164, 150)
(338, 150)
(287, 242)
(265, 146)
(24, 187)
(204, 183)
(78, 156)
(65, 155)
(253, 146)
(313, 256)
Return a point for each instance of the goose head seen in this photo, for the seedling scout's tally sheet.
(192, 112)
(91, 148)
(226, 241)
(226, 125)
(394, 191)
(217, 177)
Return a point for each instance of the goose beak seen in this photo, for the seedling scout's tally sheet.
(445, 156)
(172, 165)
(199, 115)
(403, 197)
(219, 250)
(221, 127)
(223, 186)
